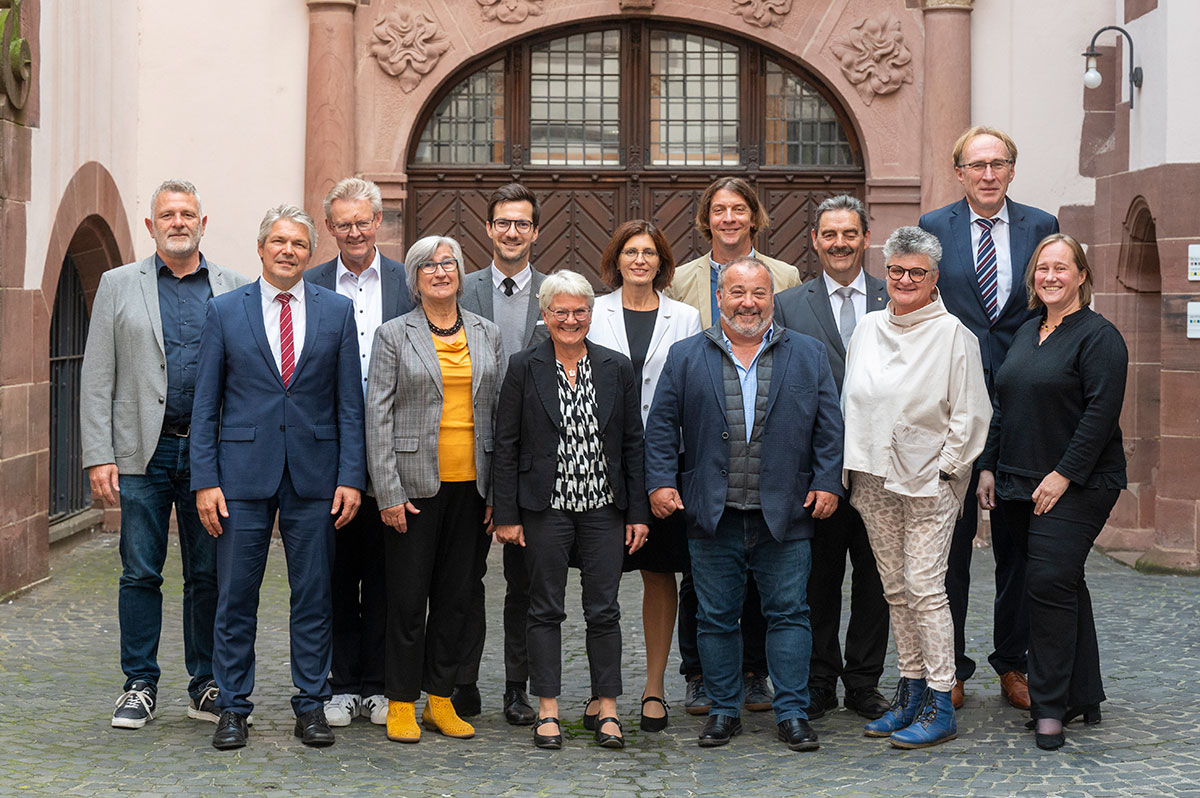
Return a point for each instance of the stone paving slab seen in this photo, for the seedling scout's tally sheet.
(59, 674)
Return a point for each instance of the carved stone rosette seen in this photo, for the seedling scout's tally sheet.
(511, 11)
(15, 58)
(407, 45)
(874, 57)
(763, 13)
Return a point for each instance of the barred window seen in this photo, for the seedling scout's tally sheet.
(694, 117)
(802, 127)
(575, 100)
(468, 126)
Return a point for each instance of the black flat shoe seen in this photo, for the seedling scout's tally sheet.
(605, 740)
(313, 729)
(231, 731)
(718, 730)
(649, 724)
(868, 702)
(1049, 742)
(589, 719)
(822, 700)
(551, 742)
(798, 735)
(1089, 713)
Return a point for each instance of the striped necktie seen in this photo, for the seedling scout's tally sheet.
(985, 267)
(287, 346)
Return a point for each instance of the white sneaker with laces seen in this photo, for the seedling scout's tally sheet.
(341, 709)
(375, 707)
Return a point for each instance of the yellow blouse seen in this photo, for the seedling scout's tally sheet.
(456, 437)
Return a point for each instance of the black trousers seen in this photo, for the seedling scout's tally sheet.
(359, 585)
(516, 618)
(430, 571)
(474, 626)
(598, 537)
(754, 629)
(1010, 610)
(842, 534)
(1064, 656)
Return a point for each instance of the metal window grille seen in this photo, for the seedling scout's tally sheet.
(468, 126)
(694, 116)
(802, 127)
(575, 100)
(70, 492)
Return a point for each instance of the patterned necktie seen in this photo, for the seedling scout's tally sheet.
(985, 267)
(508, 285)
(287, 346)
(846, 318)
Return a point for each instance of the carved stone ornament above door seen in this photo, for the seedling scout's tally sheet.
(874, 57)
(407, 45)
(510, 10)
(15, 59)
(763, 13)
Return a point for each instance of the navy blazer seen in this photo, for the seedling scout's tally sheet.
(806, 309)
(392, 283)
(802, 432)
(246, 426)
(959, 287)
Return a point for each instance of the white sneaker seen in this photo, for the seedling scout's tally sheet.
(341, 709)
(375, 707)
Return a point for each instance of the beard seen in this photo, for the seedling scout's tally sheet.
(748, 324)
(178, 247)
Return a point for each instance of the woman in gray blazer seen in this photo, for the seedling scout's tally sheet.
(431, 396)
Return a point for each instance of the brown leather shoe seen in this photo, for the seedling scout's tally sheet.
(956, 693)
(1014, 685)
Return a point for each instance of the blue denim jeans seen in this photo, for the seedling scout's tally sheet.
(146, 501)
(742, 545)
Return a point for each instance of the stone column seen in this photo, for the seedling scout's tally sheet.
(329, 134)
(946, 98)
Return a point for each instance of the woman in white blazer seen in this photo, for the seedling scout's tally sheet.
(637, 320)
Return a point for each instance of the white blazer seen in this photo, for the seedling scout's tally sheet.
(674, 322)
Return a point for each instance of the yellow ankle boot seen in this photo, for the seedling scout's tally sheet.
(402, 722)
(439, 716)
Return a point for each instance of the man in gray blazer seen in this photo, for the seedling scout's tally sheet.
(376, 286)
(139, 371)
(827, 308)
(506, 293)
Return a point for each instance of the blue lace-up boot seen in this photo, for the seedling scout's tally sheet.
(934, 724)
(904, 709)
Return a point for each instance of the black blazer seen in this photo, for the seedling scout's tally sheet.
(392, 283)
(529, 424)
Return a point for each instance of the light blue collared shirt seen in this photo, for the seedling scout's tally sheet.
(748, 377)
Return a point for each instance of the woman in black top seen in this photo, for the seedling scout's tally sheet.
(1054, 459)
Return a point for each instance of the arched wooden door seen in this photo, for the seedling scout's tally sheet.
(627, 120)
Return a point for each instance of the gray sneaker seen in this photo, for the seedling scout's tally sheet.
(696, 700)
(135, 707)
(758, 693)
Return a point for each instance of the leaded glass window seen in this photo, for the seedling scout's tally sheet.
(468, 126)
(802, 127)
(694, 91)
(575, 100)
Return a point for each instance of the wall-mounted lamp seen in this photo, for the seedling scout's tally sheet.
(1092, 78)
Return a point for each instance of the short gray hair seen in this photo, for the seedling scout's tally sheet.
(354, 189)
(842, 202)
(744, 261)
(291, 213)
(175, 185)
(913, 241)
(423, 250)
(565, 283)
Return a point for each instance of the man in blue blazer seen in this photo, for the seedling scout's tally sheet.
(277, 428)
(376, 286)
(722, 394)
(987, 241)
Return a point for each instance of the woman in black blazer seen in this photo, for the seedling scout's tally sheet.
(1054, 460)
(568, 472)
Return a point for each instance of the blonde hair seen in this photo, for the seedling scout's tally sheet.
(982, 130)
(1081, 263)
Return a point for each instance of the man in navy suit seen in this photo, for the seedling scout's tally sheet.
(277, 428)
(375, 285)
(828, 307)
(722, 393)
(987, 241)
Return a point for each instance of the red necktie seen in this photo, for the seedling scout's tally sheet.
(287, 347)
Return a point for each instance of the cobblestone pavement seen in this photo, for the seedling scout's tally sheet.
(59, 675)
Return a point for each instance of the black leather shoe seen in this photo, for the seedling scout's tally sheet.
(231, 732)
(551, 742)
(798, 735)
(821, 700)
(589, 718)
(718, 729)
(605, 740)
(1090, 714)
(868, 702)
(517, 710)
(312, 729)
(1049, 742)
(466, 700)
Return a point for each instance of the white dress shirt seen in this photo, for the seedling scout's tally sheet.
(271, 309)
(1004, 264)
(858, 299)
(521, 278)
(366, 292)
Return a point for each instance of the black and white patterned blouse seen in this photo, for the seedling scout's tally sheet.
(582, 481)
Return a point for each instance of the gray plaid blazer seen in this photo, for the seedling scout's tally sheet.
(404, 406)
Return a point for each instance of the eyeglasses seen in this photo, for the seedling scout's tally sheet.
(501, 225)
(648, 254)
(998, 167)
(916, 274)
(579, 314)
(362, 225)
(431, 266)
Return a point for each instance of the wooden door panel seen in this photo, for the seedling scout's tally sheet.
(457, 212)
(673, 209)
(576, 225)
